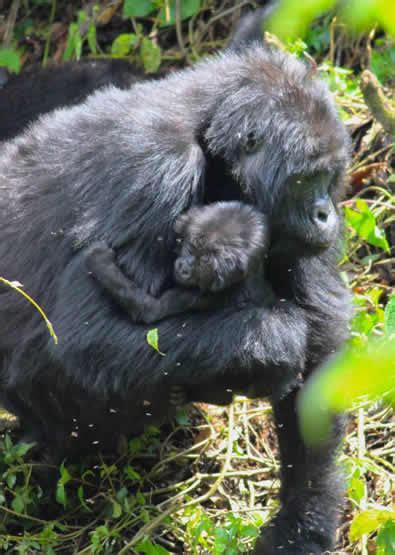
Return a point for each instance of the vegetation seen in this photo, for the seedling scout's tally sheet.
(207, 482)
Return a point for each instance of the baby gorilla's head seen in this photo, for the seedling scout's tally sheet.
(219, 243)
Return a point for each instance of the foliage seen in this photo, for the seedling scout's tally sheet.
(18, 287)
(150, 496)
(292, 19)
(335, 388)
(10, 59)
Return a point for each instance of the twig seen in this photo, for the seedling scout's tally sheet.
(10, 24)
(180, 39)
(48, 39)
(378, 105)
(146, 529)
(361, 456)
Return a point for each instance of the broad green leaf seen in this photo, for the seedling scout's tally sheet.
(361, 13)
(138, 8)
(22, 448)
(292, 19)
(18, 504)
(364, 224)
(152, 340)
(352, 374)
(368, 521)
(356, 489)
(150, 55)
(123, 44)
(389, 317)
(386, 539)
(188, 9)
(10, 59)
(149, 548)
(116, 509)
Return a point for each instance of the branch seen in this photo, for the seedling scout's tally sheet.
(379, 106)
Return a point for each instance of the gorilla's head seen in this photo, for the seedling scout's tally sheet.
(283, 145)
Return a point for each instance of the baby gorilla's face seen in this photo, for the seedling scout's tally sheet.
(210, 269)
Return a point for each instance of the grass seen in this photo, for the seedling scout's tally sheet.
(206, 482)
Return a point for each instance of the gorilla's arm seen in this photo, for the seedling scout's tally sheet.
(268, 342)
(139, 305)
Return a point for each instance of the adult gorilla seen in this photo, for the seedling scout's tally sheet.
(121, 168)
(24, 97)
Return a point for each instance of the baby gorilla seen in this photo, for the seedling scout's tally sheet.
(219, 246)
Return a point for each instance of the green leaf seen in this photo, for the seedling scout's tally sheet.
(138, 8)
(152, 340)
(386, 539)
(357, 489)
(383, 62)
(335, 387)
(368, 521)
(123, 44)
(149, 548)
(182, 418)
(132, 474)
(116, 509)
(10, 59)
(72, 39)
(18, 504)
(363, 222)
(11, 479)
(61, 496)
(91, 36)
(389, 317)
(150, 55)
(188, 9)
(22, 448)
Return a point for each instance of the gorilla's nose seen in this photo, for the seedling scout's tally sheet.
(321, 211)
(325, 221)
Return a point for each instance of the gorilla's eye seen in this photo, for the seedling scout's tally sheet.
(252, 142)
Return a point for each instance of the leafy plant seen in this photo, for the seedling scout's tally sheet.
(292, 19)
(10, 59)
(80, 32)
(363, 222)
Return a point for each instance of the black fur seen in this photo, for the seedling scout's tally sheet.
(219, 245)
(26, 96)
(37, 91)
(121, 168)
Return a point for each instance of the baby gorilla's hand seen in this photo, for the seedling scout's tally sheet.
(98, 254)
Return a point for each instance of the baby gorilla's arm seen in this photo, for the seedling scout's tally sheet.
(141, 307)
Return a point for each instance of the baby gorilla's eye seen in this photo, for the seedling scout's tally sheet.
(252, 142)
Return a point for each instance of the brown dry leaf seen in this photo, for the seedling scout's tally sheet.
(107, 13)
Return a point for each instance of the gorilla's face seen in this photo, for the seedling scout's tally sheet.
(301, 204)
(306, 212)
(290, 166)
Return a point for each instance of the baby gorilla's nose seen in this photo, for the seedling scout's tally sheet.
(184, 266)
